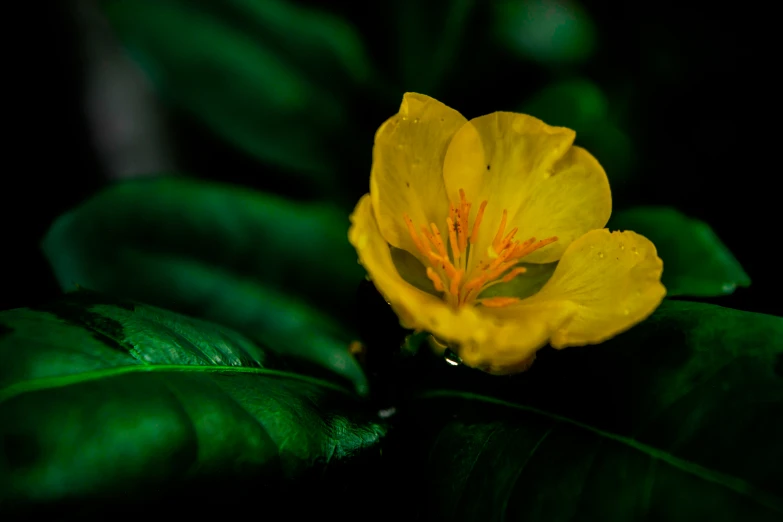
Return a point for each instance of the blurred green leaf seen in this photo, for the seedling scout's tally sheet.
(577, 104)
(552, 32)
(695, 261)
(431, 34)
(263, 74)
(580, 105)
(104, 399)
(680, 418)
(249, 260)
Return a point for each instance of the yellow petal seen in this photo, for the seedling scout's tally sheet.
(604, 284)
(519, 163)
(415, 308)
(407, 167)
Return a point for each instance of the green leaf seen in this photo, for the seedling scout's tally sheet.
(266, 75)
(431, 35)
(580, 105)
(104, 399)
(249, 260)
(695, 261)
(551, 32)
(680, 418)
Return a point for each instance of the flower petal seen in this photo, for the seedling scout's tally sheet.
(604, 284)
(415, 308)
(407, 167)
(518, 163)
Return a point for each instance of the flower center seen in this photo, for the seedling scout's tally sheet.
(451, 270)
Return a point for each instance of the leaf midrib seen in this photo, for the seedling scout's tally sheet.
(61, 381)
(735, 484)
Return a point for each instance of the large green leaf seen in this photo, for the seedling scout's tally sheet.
(110, 400)
(681, 418)
(234, 256)
(266, 75)
(695, 261)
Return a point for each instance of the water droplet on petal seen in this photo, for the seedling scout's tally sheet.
(600, 255)
(404, 118)
(416, 120)
(451, 357)
(627, 311)
(622, 246)
(635, 250)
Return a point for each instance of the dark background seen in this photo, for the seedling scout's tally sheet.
(693, 88)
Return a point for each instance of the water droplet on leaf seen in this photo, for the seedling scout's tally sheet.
(451, 357)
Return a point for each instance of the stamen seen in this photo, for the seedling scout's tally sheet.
(455, 281)
(435, 278)
(477, 222)
(438, 240)
(497, 302)
(521, 247)
(510, 237)
(416, 239)
(475, 283)
(464, 215)
(529, 249)
(456, 276)
(501, 229)
(453, 239)
(446, 265)
(504, 255)
(515, 272)
(500, 270)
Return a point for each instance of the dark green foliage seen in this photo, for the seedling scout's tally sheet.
(230, 255)
(101, 399)
(695, 261)
(678, 419)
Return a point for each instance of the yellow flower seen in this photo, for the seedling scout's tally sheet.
(489, 234)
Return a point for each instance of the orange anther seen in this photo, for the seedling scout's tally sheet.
(453, 239)
(435, 278)
(501, 229)
(509, 237)
(438, 240)
(530, 248)
(446, 265)
(477, 222)
(475, 283)
(455, 281)
(499, 271)
(515, 272)
(464, 215)
(414, 236)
